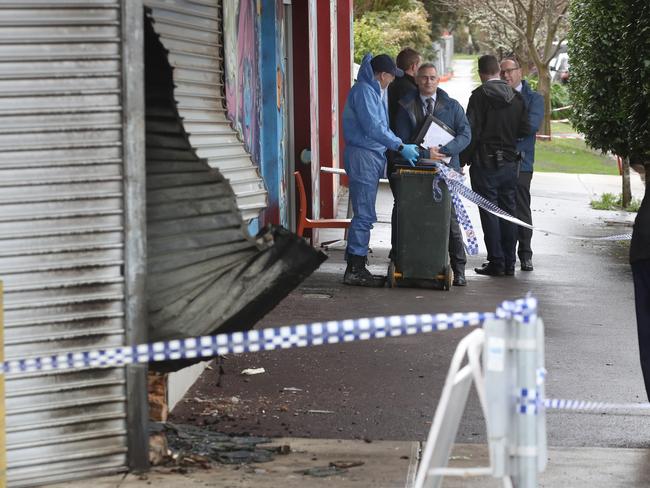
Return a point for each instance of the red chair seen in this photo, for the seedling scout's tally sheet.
(304, 222)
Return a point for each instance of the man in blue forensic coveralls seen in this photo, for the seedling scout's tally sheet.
(498, 117)
(640, 262)
(511, 74)
(367, 137)
(410, 115)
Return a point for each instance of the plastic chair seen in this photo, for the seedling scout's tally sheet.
(306, 223)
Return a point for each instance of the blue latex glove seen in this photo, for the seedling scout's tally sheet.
(411, 153)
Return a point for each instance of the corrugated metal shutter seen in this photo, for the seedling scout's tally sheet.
(204, 273)
(61, 232)
(191, 31)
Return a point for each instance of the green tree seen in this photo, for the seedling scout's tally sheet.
(609, 49)
(361, 7)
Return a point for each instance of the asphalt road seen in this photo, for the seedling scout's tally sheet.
(388, 389)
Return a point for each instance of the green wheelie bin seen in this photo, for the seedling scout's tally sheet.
(421, 252)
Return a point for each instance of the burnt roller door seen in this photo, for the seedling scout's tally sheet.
(62, 232)
(191, 32)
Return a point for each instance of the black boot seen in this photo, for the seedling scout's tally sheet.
(459, 278)
(357, 274)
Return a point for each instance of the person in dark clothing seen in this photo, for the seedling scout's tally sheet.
(511, 74)
(409, 119)
(408, 60)
(640, 262)
(498, 117)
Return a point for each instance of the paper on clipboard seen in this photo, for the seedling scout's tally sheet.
(435, 133)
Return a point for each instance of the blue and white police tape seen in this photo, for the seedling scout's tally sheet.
(471, 244)
(465, 222)
(303, 335)
(561, 404)
(523, 310)
(529, 403)
(455, 183)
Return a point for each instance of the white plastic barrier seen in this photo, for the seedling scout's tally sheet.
(505, 361)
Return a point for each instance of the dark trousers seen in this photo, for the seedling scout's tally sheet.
(393, 217)
(523, 213)
(641, 275)
(457, 256)
(499, 186)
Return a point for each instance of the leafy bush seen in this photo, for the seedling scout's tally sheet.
(389, 31)
(559, 98)
(370, 37)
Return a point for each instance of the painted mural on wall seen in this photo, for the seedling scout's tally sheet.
(283, 124)
(241, 41)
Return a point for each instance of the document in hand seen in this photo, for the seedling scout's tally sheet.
(435, 133)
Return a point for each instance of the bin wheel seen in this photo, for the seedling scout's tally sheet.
(392, 282)
(448, 278)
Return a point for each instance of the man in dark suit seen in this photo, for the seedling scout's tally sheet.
(411, 111)
(498, 117)
(511, 74)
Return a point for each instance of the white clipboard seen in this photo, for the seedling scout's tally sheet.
(435, 133)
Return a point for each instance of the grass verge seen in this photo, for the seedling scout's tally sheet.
(571, 155)
(609, 201)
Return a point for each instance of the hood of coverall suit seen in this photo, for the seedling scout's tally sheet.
(367, 91)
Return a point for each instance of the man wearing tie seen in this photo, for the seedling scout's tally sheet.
(411, 112)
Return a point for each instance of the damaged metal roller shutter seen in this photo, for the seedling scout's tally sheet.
(204, 273)
(61, 233)
(190, 30)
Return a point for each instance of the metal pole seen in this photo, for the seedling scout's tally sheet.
(3, 424)
(135, 249)
(526, 387)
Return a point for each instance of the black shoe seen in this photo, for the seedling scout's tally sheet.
(526, 264)
(459, 280)
(490, 270)
(510, 271)
(356, 274)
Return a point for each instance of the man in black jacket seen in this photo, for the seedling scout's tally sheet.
(498, 117)
(640, 261)
(408, 60)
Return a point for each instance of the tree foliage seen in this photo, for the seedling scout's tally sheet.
(532, 30)
(609, 48)
(361, 7)
(443, 17)
(389, 31)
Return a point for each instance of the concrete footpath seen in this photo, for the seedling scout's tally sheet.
(388, 464)
(560, 204)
